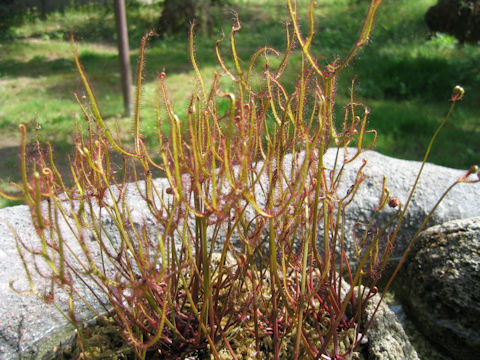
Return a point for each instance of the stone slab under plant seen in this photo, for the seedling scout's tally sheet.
(33, 327)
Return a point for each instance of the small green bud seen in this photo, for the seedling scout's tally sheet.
(473, 169)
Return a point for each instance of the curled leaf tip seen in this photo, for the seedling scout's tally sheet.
(473, 169)
(458, 93)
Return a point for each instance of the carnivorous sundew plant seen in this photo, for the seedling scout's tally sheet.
(239, 251)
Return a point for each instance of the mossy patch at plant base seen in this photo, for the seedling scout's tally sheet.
(95, 333)
(100, 340)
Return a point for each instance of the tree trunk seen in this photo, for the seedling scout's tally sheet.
(124, 55)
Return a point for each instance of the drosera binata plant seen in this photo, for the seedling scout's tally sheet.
(240, 251)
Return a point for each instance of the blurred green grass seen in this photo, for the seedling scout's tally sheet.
(405, 75)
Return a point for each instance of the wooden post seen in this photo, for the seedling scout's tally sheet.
(124, 55)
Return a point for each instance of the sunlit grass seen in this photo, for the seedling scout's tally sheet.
(404, 75)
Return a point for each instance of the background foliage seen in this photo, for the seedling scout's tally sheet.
(405, 74)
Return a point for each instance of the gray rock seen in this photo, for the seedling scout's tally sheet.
(29, 326)
(440, 286)
(387, 339)
(27, 321)
(400, 176)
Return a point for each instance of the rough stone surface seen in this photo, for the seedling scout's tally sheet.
(386, 337)
(400, 174)
(29, 326)
(27, 321)
(440, 286)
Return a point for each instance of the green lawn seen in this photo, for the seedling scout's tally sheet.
(404, 75)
